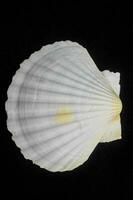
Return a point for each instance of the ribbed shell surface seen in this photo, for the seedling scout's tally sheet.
(60, 106)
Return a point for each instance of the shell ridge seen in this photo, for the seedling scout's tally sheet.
(99, 73)
(95, 94)
(69, 77)
(72, 95)
(86, 79)
(59, 125)
(49, 139)
(67, 154)
(70, 86)
(91, 70)
(75, 138)
(90, 85)
(72, 150)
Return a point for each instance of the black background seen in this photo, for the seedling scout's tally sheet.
(106, 30)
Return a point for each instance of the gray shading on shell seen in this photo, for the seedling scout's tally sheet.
(60, 106)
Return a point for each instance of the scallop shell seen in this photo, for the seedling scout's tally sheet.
(60, 106)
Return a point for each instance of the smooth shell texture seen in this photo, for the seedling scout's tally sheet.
(60, 106)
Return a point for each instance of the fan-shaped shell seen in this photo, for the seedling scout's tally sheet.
(60, 106)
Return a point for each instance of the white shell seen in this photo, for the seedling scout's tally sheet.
(60, 106)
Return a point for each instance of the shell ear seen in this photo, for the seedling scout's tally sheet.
(114, 79)
(114, 129)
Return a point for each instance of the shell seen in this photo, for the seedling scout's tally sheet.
(60, 106)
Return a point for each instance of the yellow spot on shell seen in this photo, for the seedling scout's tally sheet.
(64, 115)
(116, 117)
